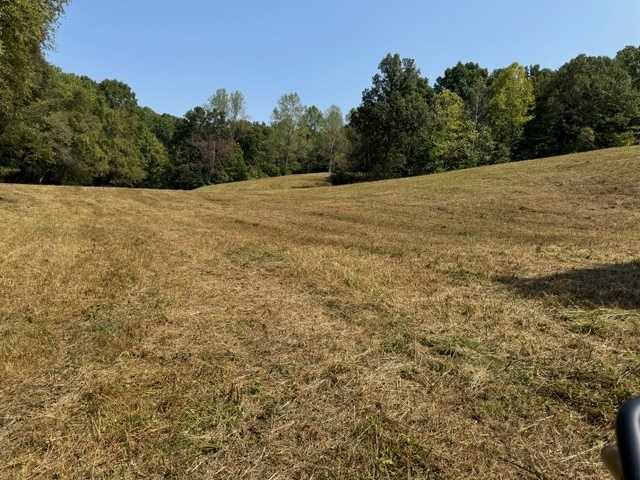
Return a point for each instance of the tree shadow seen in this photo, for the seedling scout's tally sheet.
(605, 286)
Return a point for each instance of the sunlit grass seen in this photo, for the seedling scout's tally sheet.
(474, 324)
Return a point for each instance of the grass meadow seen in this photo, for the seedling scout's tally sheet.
(475, 324)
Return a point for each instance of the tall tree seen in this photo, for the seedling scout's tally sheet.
(511, 106)
(257, 148)
(69, 134)
(119, 95)
(218, 103)
(311, 127)
(204, 152)
(163, 126)
(26, 28)
(629, 58)
(452, 138)
(590, 102)
(313, 119)
(471, 83)
(334, 138)
(289, 138)
(462, 79)
(237, 107)
(230, 106)
(389, 126)
(538, 137)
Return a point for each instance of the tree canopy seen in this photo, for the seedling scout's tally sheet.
(589, 103)
(26, 28)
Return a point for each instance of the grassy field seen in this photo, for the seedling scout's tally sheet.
(474, 324)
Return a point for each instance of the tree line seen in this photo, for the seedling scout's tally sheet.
(471, 117)
(74, 130)
(60, 128)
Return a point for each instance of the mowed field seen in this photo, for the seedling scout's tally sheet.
(476, 324)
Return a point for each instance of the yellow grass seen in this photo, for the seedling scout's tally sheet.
(475, 324)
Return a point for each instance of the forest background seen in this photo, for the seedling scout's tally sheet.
(61, 128)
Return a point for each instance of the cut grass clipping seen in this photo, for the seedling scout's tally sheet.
(475, 324)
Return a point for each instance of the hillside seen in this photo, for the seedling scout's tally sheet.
(481, 323)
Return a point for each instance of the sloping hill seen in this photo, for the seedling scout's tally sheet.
(474, 324)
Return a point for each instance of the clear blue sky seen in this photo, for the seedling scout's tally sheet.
(175, 54)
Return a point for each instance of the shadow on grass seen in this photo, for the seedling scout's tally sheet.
(606, 286)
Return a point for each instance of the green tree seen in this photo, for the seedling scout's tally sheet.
(471, 83)
(463, 79)
(68, 134)
(219, 103)
(256, 144)
(629, 59)
(451, 142)
(334, 141)
(231, 106)
(55, 139)
(539, 137)
(204, 152)
(154, 156)
(163, 126)
(26, 28)
(311, 128)
(511, 105)
(118, 94)
(237, 107)
(389, 127)
(590, 102)
(288, 133)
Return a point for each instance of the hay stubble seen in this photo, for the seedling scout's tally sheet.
(474, 324)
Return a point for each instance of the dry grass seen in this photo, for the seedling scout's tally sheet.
(475, 324)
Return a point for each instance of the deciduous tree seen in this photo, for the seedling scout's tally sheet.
(463, 79)
(629, 58)
(334, 141)
(452, 138)
(230, 106)
(511, 105)
(26, 28)
(390, 124)
(119, 95)
(289, 139)
(590, 102)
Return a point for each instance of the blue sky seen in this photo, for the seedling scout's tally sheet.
(174, 55)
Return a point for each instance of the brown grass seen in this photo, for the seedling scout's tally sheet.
(474, 324)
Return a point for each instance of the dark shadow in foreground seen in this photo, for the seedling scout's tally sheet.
(606, 286)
